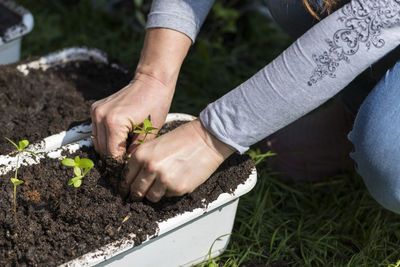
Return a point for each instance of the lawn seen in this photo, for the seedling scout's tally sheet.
(334, 222)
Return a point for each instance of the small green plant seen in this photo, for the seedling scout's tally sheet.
(16, 182)
(81, 168)
(146, 129)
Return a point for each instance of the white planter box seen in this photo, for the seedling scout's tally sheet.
(181, 241)
(10, 43)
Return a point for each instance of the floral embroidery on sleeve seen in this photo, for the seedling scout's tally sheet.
(363, 23)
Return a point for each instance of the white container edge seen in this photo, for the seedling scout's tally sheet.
(24, 27)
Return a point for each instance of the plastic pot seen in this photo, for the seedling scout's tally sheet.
(10, 42)
(183, 240)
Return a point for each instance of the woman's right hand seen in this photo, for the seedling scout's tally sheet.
(149, 94)
(113, 117)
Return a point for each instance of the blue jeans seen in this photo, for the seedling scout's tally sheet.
(376, 140)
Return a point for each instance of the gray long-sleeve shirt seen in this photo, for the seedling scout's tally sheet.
(313, 69)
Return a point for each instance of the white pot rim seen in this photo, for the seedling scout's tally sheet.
(20, 29)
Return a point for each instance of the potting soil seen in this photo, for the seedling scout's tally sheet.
(57, 222)
(47, 102)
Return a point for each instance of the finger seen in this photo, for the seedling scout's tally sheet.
(173, 193)
(128, 175)
(116, 142)
(156, 191)
(94, 128)
(169, 193)
(94, 135)
(135, 143)
(101, 138)
(142, 183)
(132, 148)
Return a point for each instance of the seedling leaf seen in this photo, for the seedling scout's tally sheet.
(81, 168)
(139, 131)
(86, 163)
(12, 143)
(68, 162)
(23, 144)
(77, 171)
(146, 123)
(151, 128)
(78, 183)
(75, 179)
(16, 181)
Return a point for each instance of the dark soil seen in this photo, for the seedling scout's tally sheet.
(7, 19)
(57, 223)
(47, 102)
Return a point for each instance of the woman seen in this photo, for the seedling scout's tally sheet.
(319, 64)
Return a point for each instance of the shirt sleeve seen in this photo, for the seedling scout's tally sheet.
(185, 16)
(313, 69)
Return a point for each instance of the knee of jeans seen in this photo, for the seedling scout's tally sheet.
(379, 167)
(376, 140)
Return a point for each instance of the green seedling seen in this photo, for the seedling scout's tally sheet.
(81, 168)
(146, 129)
(21, 149)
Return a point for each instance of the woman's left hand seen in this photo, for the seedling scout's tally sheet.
(173, 164)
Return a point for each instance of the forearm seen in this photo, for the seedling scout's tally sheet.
(312, 70)
(172, 27)
(162, 55)
(185, 16)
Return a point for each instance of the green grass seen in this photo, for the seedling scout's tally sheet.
(330, 223)
(334, 222)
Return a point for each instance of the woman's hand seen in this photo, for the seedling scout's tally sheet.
(113, 117)
(149, 94)
(173, 164)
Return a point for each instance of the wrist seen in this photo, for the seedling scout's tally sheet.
(162, 55)
(152, 81)
(220, 148)
(164, 77)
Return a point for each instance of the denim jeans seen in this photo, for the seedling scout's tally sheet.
(376, 140)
